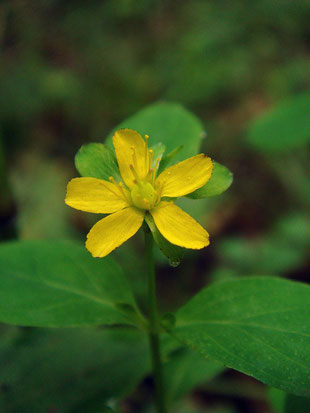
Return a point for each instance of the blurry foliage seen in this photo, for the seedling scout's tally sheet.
(60, 369)
(71, 71)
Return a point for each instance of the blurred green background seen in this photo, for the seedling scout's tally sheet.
(70, 71)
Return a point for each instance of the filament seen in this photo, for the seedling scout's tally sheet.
(155, 169)
(150, 159)
(134, 172)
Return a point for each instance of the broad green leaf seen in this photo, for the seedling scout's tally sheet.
(59, 284)
(75, 370)
(284, 127)
(171, 251)
(170, 124)
(98, 161)
(257, 325)
(186, 370)
(220, 180)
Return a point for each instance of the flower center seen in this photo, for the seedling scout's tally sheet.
(144, 192)
(143, 195)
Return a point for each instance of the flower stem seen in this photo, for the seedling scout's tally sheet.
(154, 325)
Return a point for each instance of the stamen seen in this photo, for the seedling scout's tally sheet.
(134, 157)
(112, 180)
(134, 172)
(150, 159)
(122, 190)
(155, 169)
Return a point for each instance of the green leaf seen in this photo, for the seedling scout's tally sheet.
(98, 161)
(76, 370)
(220, 180)
(185, 371)
(284, 127)
(168, 123)
(58, 284)
(288, 403)
(171, 251)
(257, 325)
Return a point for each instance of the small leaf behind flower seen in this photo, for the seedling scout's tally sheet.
(169, 123)
(97, 160)
(220, 180)
(171, 251)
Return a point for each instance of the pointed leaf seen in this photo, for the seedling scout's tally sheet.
(59, 284)
(258, 325)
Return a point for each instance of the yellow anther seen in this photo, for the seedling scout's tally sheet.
(111, 189)
(150, 159)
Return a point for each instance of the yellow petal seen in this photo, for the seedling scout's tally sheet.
(110, 232)
(178, 227)
(186, 176)
(94, 195)
(127, 141)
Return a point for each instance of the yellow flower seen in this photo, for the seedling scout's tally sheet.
(143, 193)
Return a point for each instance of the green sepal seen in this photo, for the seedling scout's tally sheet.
(171, 251)
(158, 151)
(97, 160)
(220, 180)
(167, 159)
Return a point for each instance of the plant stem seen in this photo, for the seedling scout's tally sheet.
(154, 325)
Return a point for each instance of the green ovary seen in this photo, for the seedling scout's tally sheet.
(143, 195)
